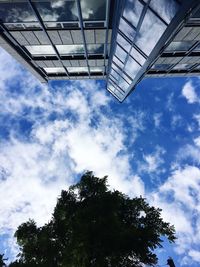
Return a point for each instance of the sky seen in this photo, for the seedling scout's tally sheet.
(149, 146)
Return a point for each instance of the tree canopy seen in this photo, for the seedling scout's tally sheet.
(94, 226)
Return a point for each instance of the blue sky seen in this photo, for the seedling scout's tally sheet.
(149, 145)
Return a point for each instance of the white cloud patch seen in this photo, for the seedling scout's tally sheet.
(197, 141)
(152, 162)
(189, 93)
(180, 201)
(157, 119)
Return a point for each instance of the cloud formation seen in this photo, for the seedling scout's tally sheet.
(189, 93)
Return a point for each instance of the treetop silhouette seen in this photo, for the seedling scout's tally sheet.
(94, 226)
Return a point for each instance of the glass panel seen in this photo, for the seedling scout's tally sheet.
(32, 25)
(97, 69)
(137, 56)
(22, 26)
(197, 68)
(120, 53)
(123, 84)
(94, 24)
(182, 66)
(126, 29)
(165, 8)
(150, 32)
(161, 66)
(115, 74)
(132, 11)
(93, 9)
(116, 68)
(132, 67)
(16, 12)
(197, 48)
(114, 90)
(180, 46)
(54, 70)
(126, 78)
(41, 49)
(58, 10)
(53, 25)
(77, 69)
(95, 48)
(123, 43)
(118, 62)
(14, 26)
(70, 49)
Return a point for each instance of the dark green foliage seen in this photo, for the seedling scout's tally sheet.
(93, 226)
(2, 260)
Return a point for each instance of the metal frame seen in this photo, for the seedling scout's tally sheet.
(5, 33)
(119, 4)
(35, 11)
(83, 34)
(107, 30)
(169, 32)
(32, 60)
(170, 71)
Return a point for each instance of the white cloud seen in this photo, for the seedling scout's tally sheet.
(180, 201)
(194, 254)
(176, 121)
(152, 162)
(197, 141)
(189, 152)
(197, 118)
(157, 119)
(189, 93)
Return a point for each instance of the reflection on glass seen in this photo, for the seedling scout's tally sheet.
(93, 9)
(132, 67)
(123, 84)
(32, 25)
(14, 26)
(120, 53)
(116, 68)
(58, 10)
(126, 29)
(197, 48)
(40, 49)
(182, 66)
(161, 66)
(151, 30)
(165, 8)
(16, 12)
(123, 43)
(180, 46)
(129, 81)
(53, 25)
(118, 62)
(77, 69)
(95, 49)
(137, 56)
(115, 75)
(22, 26)
(114, 90)
(70, 49)
(54, 70)
(96, 69)
(132, 11)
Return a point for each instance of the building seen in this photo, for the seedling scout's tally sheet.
(122, 41)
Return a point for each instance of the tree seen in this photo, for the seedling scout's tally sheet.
(94, 226)
(2, 263)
